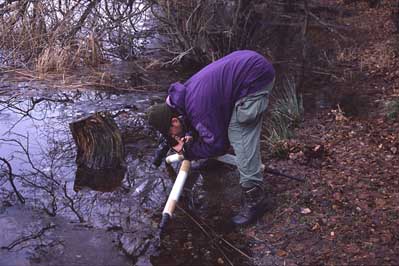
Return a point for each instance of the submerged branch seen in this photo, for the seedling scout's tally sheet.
(30, 161)
(72, 204)
(30, 237)
(10, 178)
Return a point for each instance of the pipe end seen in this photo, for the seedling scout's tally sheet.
(164, 221)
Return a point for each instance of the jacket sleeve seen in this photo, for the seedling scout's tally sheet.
(206, 145)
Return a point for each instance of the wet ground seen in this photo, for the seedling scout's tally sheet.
(48, 222)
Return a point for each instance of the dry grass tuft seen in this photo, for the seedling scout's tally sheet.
(54, 59)
(60, 59)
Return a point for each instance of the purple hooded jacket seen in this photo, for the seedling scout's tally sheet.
(207, 99)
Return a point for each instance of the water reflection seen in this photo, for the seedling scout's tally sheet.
(35, 139)
(104, 180)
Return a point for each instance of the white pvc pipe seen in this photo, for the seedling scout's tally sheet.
(174, 158)
(177, 188)
(226, 158)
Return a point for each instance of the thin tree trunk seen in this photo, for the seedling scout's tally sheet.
(82, 19)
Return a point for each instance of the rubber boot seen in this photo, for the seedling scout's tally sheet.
(253, 206)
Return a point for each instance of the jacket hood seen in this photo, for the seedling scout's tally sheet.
(177, 97)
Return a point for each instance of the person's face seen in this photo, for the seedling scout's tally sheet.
(176, 128)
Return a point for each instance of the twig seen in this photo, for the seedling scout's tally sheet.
(32, 164)
(30, 237)
(212, 235)
(179, 57)
(328, 26)
(275, 172)
(72, 204)
(234, 247)
(207, 234)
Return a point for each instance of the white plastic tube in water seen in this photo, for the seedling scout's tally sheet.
(181, 179)
(176, 192)
(177, 188)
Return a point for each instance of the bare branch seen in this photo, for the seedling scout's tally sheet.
(72, 204)
(11, 179)
(30, 237)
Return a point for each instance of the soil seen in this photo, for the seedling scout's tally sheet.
(346, 213)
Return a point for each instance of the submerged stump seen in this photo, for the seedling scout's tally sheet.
(100, 154)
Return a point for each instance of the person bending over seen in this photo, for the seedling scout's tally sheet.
(219, 106)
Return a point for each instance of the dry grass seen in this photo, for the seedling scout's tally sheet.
(59, 59)
(56, 36)
(54, 59)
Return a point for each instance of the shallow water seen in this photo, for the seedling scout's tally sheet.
(36, 140)
(117, 227)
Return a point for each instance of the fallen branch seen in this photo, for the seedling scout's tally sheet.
(275, 172)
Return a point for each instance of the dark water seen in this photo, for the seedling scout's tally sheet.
(36, 140)
(58, 225)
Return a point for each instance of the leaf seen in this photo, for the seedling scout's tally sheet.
(316, 226)
(380, 203)
(305, 210)
(352, 248)
(281, 253)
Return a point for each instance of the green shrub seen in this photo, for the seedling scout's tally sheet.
(286, 114)
(289, 106)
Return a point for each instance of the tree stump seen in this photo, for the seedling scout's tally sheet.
(100, 155)
(99, 142)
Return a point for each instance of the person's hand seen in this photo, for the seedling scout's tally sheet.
(180, 143)
(187, 139)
